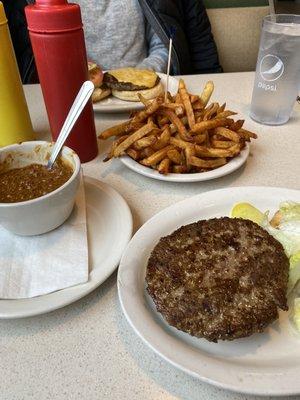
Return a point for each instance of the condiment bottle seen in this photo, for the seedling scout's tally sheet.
(56, 34)
(15, 124)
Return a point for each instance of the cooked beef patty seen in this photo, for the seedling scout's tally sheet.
(219, 279)
(114, 84)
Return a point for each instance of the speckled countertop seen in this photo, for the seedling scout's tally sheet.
(87, 350)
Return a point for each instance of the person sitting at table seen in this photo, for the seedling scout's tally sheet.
(123, 33)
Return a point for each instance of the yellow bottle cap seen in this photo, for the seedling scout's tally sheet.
(3, 19)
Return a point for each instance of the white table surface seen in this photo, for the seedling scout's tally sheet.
(87, 350)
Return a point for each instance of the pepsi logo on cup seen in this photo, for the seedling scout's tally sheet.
(271, 67)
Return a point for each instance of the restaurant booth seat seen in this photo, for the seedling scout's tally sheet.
(236, 26)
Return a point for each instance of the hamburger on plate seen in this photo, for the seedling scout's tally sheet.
(127, 83)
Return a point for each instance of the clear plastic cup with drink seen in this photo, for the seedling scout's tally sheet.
(277, 78)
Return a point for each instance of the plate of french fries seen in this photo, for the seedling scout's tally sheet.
(181, 138)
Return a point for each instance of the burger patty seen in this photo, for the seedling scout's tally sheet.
(219, 279)
(114, 84)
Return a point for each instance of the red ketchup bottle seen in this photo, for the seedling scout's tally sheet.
(57, 39)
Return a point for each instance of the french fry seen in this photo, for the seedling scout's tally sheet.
(164, 166)
(235, 126)
(198, 105)
(172, 106)
(114, 130)
(132, 153)
(198, 139)
(156, 157)
(177, 98)
(207, 92)
(211, 111)
(202, 151)
(146, 152)
(194, 98)
(178, 124)
(179, 143)
(189, 153)
(132, 138)
(187, 103)
(177, 108)
(222, 144)
(149, 110)
(213, 123)
(227, 133)
(179, 169)
(163, 140)
(114, 145)
(174, 156)
(207, 164)
(225, 114)
(247, 134)
(144, 142)
(222, 108)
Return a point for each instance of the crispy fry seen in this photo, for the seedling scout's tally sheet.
(174, 156)
(179, 143)
(149, 110)
(162, 120)
(187, 103)
(228, 134)
(235, 126)
(114, 145)
(132, 138)
(132, 153)
(222, 108)
(247, 134)
(202, 151)
(198, 105)
(198, 139)
(211, 111)
(178, 124)
(194, 98)
(208, 164)
(177, 108)
(114, 130)
(172, 106)
(144, 142)
(225, 114)
(207, 92)
(179, 169)
(164, 166)
(147, 152)
(205, 125)
(163, 140)
(189, 153)
(222, 144)
(156, 157)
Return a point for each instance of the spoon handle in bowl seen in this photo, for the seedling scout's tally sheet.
(80, 101)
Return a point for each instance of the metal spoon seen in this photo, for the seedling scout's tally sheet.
(80, 101)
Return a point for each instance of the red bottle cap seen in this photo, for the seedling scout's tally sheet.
(50, 16)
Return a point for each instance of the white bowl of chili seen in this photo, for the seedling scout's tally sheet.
(34, 200)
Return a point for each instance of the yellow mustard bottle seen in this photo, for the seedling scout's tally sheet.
(15, 123)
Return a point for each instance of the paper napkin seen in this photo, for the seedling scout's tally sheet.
(36, 265)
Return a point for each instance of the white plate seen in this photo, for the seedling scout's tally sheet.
(113, 105)
(109, 221)
(263, 364)
(226, 169)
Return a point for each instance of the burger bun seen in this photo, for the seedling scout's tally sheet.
(132, 95)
